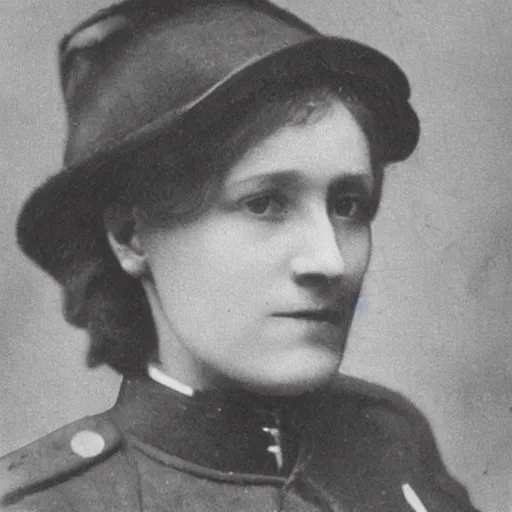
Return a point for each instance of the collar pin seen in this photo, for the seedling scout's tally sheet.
(275, 448)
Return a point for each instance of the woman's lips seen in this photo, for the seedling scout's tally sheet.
(331, 316)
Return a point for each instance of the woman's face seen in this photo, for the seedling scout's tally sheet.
(260, 291)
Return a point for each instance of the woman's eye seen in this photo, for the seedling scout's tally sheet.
(347, 207)
(266, 204)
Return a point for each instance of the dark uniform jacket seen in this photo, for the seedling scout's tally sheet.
(354, 448)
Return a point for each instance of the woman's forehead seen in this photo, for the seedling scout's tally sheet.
(327, 147)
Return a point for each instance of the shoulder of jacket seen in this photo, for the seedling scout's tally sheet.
(392, 412)
(64, 452)
(369, 393)
(396, 421)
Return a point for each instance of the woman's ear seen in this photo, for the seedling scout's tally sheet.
(123, 234)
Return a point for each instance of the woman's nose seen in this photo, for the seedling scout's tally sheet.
(319, 255)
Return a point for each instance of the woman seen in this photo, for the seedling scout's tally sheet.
(211, 231)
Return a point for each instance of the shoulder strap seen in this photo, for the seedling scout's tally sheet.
(64, 452)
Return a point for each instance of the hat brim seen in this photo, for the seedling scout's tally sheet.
(61, 210)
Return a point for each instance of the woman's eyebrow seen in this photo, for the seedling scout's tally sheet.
(272, 178)
(358, 180)
(363, 183)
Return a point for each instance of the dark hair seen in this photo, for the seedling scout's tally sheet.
(184, 173)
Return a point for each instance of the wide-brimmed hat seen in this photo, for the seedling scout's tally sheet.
(143, 68)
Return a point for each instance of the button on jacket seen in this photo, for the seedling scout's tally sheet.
(355, 447)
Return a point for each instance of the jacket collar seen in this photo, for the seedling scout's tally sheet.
(225, 431)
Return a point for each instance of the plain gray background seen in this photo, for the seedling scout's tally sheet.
(435, 318)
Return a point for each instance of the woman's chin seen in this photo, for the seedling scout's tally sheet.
(293, 376)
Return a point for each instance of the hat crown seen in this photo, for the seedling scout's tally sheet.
(126, 66)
